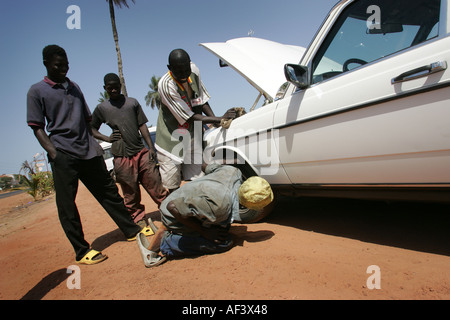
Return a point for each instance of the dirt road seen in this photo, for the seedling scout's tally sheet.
(307, 249)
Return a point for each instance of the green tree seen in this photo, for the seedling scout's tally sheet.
(152, 98)
(118, 3)
(5, 183)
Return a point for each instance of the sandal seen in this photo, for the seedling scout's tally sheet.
(89, 257)
(148, 231)
(150, 258)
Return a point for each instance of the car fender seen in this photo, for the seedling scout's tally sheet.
(233, 156)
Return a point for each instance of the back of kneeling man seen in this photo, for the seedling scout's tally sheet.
(196, 217)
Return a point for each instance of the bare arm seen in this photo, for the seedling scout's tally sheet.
(98, 135)
(115, 135)
(207, 110)
(204, 119)
(146, 135)
(210, 117)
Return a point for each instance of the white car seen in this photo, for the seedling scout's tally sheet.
(365, 112)
(107, 156)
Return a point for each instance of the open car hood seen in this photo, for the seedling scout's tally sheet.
(259, 61)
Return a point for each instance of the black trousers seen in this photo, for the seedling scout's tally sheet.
(66, 173)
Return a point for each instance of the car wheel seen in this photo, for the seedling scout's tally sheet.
(252, 216)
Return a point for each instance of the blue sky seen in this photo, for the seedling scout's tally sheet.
(148, 31)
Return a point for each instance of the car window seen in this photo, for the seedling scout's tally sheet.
(368, 30)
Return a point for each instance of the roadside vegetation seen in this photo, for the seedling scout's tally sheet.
(38, 184)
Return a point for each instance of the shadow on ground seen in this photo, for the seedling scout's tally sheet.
(409, 225)
(47, 283)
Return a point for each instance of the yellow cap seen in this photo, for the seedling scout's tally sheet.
(255, 193)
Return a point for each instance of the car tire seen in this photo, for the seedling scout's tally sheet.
(252, 216)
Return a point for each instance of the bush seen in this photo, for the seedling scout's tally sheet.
(45, 186)
(5, 183)
(40, 184)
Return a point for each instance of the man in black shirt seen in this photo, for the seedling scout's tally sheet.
(134, 164)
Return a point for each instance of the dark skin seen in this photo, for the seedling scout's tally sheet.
(180, 67)
(57, 68)
(116, 98)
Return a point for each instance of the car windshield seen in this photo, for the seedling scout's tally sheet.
(372, 29)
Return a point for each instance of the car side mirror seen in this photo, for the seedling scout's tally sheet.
(297, 75)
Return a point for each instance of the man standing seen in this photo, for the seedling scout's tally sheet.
(184, 101)
(133, 163)
(58, 105)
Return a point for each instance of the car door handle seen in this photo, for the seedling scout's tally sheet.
(420, 72)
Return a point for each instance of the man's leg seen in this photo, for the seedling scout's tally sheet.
(170, 172)
(150, 178)
(175, 245)
(65, 177)
(98, 181)
(155, 241)
(126, 170)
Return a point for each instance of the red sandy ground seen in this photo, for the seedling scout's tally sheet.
(306, 249)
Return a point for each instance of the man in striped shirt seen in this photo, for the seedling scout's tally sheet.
(183, 112)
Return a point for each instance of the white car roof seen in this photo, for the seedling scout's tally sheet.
(261, 62)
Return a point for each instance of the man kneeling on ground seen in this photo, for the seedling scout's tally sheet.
(196, 217)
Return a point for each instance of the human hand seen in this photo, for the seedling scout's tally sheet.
(151, 154)
(230, 114)
(52, 153)
(115, 135)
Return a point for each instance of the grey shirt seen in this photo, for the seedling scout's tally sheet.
(126, 116)
(213, 199)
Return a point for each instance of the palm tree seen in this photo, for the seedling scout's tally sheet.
(103, 96)
(26, 167)
(152, 98)
(118, 3)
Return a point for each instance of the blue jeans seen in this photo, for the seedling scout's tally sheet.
(175, 245)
